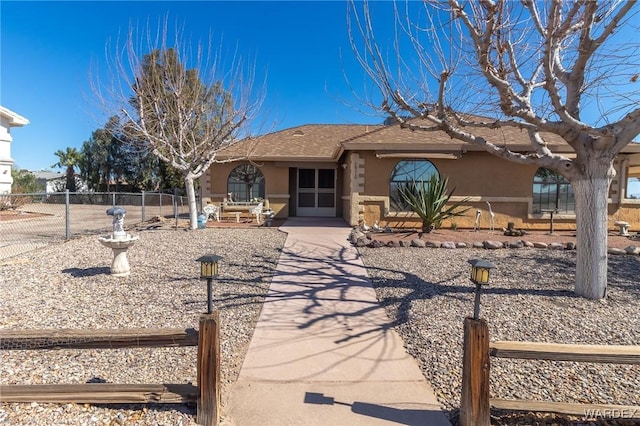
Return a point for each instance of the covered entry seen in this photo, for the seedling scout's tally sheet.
(316, 192)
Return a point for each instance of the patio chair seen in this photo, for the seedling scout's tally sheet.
(212, 211)
(257, 212)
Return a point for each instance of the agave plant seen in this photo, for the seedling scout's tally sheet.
(430, 201)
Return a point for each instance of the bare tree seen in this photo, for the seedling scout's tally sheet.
(182, 115)
(537, 66)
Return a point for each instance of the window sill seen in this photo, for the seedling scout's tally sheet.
(547, 216)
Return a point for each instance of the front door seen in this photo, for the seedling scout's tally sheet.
(316, 192)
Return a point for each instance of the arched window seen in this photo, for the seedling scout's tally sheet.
(407, 171)
(246, 182)
(552, 191)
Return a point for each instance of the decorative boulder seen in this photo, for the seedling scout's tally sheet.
(613, 250)
(362, 241)
(376, 244)
(556, 246)
(633, 250)
(510, 231)
(418, 243)
(432, 244)
(448, 245)
(492, 245)
(355, 235)
(538, 244)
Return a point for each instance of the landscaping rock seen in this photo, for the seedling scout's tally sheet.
(633, 250)
(393, 243)
(556, 246)
(405, 243)
(540, 245)
(432, 244)
(516, 245)
(376, 244)
(515, 232)
(492, 245)
(528, 244)
(477, 244)
(531, 298)
(571, 246)
(461, 245)
(418, 243)
(448, 245)
(616, 251)
(355, 235)
(362, 241)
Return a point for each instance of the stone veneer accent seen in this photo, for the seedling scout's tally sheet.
(356, 186)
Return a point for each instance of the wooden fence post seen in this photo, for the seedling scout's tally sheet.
(474, 403)
(208, 410)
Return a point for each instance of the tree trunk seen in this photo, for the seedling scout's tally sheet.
(71, 179)
(591, 193)
(427, 227)
(191, 199)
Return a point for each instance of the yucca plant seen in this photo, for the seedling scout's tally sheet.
(430, 201)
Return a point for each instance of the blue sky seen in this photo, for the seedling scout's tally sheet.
(49, 48)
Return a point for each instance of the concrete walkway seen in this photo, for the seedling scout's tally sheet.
(323, 351)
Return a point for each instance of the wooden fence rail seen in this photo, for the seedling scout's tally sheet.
(613, 354)
(206, 394)
(476, 403)
(97, 339)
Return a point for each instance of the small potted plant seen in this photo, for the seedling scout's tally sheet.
(268, 216)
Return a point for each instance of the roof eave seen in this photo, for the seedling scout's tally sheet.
(15, 120)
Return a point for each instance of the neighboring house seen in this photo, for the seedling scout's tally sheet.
(50, 181)
(353, 171)
(8, 119)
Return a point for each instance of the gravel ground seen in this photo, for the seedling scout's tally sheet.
(68, 286)
(427, 294)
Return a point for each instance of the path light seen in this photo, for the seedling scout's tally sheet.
(480, 271)
(209, 270)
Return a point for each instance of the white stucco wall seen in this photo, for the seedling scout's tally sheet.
(8, 119)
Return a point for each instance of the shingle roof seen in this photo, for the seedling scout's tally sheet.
(48, 175)
(395, 137)
(326, 142)
(311, 142)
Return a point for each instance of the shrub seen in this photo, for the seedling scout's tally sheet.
(12, 202)
(430, 201)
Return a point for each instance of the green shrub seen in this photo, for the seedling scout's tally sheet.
(430, 201)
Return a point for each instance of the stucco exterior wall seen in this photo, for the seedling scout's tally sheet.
(8, 119)
(476, 173)
(5, 156)
(506, 186)
(627, 211)
(363, 190)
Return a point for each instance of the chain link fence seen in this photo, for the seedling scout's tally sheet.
(29, 221)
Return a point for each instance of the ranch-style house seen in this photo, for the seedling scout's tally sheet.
(353, 172)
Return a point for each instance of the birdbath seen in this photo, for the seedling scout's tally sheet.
(119, 242)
